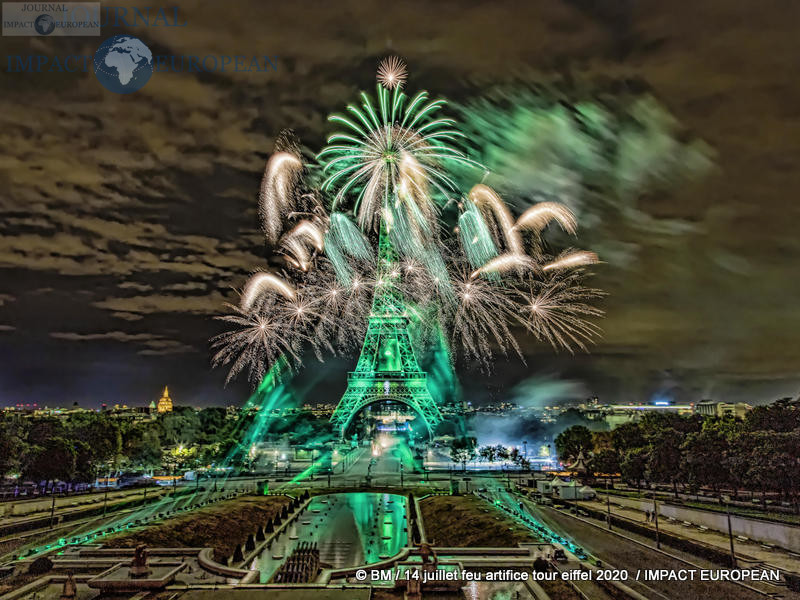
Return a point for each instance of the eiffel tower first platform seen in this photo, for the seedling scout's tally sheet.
(387, 369)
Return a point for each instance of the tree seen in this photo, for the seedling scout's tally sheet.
(704, 459)
(774, 464)
(462, 450)
(501, 452)
(179, 426)
(487, 453)
(103, 438)
(85, 469)
(627, 437)
(633, 465)
(780, 416)
(572, 441)
(664, 463)
(43, 429)
(12, 445)
(53, 460)
(144, 449)
(606, 462)
(602, 440)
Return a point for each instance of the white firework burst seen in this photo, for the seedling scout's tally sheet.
(392, 72)
(479, 318)
(255, 342)
(557, 311)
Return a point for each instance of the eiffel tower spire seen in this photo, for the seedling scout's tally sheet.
(387, 367)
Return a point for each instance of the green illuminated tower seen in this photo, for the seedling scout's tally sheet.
(387, 368)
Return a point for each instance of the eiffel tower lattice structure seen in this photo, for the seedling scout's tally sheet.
(387, 369)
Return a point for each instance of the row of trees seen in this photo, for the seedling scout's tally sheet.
(760, 452)
(464, 449)
(500, 453)
(83, 446)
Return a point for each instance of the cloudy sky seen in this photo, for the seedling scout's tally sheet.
(126, 222)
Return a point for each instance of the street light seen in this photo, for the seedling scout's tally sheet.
(655, 514)
(727, 500)
(608, 506)
(105, 495)
(53, 504)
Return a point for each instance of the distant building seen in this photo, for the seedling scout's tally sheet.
(709, 408)
(615, 415)
(132, 413)
(165, 402)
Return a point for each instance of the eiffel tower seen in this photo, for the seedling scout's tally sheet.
(387, 368)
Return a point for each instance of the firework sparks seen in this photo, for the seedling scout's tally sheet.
(505, 263)
(262, 282)
(255, 342)
(480, 318)
(391, 171)
(276, 194)
(558, 312)
(572, 258)
(365, 161)
(392, 72)
(485, 198)
(296, 243)
(539, 216)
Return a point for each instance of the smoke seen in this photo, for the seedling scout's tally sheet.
(597, 157)
(539, 391)
(525, 425)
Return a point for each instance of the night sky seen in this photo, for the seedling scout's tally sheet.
(126, 222)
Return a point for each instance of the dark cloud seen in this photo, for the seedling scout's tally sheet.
(155, 345)
(132, 219)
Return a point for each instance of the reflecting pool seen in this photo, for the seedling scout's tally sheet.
(350, 529)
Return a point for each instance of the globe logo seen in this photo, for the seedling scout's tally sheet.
(123, 64)
(44, 24)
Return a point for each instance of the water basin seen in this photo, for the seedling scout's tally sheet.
(356, 528)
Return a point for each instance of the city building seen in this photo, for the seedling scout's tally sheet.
(165, 402)
(710, 408)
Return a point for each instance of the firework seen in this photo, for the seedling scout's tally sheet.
(346, 247)
(571, 259)
(255, 342)
(295, 243)
(476, 238)
(261, 283)
(540, 215)
(276, 194)
(480, 319)
(558, 311)
(486, 199)
(505, 263)
(389, 176)
(365, 161)
(392, 72)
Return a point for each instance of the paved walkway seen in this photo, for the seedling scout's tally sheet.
(749, 551)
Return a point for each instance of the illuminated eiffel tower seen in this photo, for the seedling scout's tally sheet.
(387, 369)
